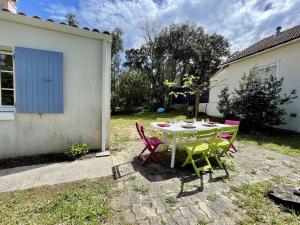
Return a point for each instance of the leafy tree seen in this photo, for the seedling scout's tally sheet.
(133, 91)
(116, 49)
(258, 101)
(71, 19)
(172, 52)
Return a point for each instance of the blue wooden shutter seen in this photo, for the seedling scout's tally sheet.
(39, 81)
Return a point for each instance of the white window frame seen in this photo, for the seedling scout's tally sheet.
(4, 108)
(269, 65)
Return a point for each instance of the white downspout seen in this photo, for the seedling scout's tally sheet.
(105, 93)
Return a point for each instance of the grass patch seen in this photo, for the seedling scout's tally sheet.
(132, 177)
(202, 222)
(171, 201)
(288, 144)
(123, 130)
(85, 202)
(123, 126)
(212, 197)
(142, 189)
(260, 209)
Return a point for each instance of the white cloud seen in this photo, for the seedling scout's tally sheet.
(58, 11)
(242, 22)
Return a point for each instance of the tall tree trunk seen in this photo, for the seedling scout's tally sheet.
(197, 105)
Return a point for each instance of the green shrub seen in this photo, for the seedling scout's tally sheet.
(258, 102)
(77, 150)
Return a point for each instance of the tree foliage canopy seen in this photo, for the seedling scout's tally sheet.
(171, 52)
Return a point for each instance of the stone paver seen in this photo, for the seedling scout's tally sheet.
(49, 174)
(176, 196)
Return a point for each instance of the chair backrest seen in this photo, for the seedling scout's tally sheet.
(141, 131)
(233, 130)
(232, 122)
(209, 135)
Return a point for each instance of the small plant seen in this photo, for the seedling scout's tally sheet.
(132, 178)
(142, 189)
(212, 197)
(202, 222)
(171, 201)
(77, 150)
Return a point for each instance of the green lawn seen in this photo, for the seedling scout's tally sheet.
(85, 202)
(123, 129)
(260, 209)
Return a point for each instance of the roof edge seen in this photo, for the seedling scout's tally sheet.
(35, 22)
(263, 51)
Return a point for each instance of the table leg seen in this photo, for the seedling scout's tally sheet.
(165, 137)
(173, 151)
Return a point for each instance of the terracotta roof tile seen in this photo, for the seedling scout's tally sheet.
(267, 43)
(6, 10)
(21, 13)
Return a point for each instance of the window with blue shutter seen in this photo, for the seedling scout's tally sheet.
(39, 81)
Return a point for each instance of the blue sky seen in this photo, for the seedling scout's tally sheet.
(241, 21)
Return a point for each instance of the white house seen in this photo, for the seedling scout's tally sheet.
(55, 85)
(281, 53)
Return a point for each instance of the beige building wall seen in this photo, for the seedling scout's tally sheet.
(81, 122)
(286, 57)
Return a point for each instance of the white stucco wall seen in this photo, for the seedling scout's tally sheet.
(81, 121)
(287, 58)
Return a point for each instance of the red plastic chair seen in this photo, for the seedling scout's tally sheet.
(151, 143)
(228, 136)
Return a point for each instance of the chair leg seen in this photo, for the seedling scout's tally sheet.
(142, 152)
(232, 146)
(218, 161)
(187, 160)
(209, 165)
(155, 157)
(146, 159)
(230, 158)
(195, 168)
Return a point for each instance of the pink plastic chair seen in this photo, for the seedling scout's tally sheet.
(151, 143)
(228, 136)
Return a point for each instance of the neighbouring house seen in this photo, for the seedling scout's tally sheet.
(55, 85)
(281, 54)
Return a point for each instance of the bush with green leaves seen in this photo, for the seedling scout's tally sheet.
(77, 150)
(133, 92)
(258, 102)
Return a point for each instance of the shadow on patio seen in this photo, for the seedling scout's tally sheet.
(190, 184)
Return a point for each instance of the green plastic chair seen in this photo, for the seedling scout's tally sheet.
(198, 149)
(224, 145)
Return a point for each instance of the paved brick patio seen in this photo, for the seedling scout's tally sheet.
(156, 194)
